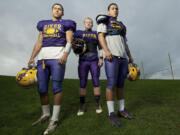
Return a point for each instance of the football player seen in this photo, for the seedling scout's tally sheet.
(112, 37)
(89, 61)
(52, 47)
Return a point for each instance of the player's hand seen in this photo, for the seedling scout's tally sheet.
(131, 60)
(63, 59)
(31, 61)
(100, 62)
(108, 55)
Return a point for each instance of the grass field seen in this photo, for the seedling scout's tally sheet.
(155, 103)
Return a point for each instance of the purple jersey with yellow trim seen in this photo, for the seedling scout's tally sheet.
(91, 39)
(116, 27)
(54, 32)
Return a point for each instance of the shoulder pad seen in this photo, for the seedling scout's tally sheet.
(70, 25)
(102, 18)
(40, 25)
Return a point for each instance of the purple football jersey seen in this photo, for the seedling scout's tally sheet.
(115, 27)
(91, 39)
(54, 32)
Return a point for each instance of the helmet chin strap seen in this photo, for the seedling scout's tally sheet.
(33, 66)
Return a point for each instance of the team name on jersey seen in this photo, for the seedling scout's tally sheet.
(89, 36)
(52, 30)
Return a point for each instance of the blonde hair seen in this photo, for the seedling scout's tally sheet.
(88, 18)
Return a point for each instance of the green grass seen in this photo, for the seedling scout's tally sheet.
(155, 103)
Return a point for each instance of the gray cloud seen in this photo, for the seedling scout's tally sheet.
(152, 30)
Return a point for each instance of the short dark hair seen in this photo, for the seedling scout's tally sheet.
(111, 5)
(58, 5)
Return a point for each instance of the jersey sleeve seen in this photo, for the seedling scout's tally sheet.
(70, 25)
(40, 26)
(78, 34)
(101, 28)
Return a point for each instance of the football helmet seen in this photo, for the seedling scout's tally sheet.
(79, 46)
(134, 72)
(27, 76)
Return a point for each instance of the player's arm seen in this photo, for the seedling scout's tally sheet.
(129, 53)
(126, 45)
(102, 41)
(100, 53)
(102, 29)
(69, 38)
(37, 48)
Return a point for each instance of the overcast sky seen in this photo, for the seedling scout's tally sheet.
(152, 30)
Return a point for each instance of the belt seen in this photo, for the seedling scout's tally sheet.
(119, 57)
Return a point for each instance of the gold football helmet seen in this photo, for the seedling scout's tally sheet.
(134, 72)
(27, 76)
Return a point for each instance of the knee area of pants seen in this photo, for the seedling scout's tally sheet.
(83, 84)
(121, 84)
(43, 93)
(57, 89)
(109, 87)
(57, 86)
(83, 78)
(110, 84)
(42, 89)
(58, 92)
(96, 85)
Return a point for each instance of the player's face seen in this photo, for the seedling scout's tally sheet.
(113, 11)
(88, 24)
(57, 11)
